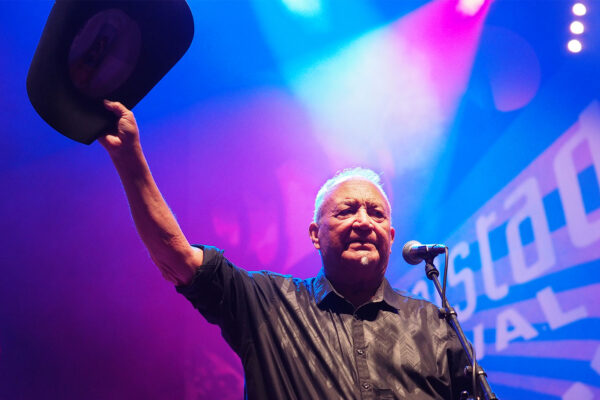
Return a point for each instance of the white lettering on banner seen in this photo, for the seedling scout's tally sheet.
(534, 210)
(510, 325)
(577, 150)
(581, 231)
(482, 228)
(466, 277)
(555, 316)
(478, 341)
(578, 391)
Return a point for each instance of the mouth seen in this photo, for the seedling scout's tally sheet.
(361, 243)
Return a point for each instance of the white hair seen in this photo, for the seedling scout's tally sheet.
(345, 175)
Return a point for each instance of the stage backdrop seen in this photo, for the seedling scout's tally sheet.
(486, 130)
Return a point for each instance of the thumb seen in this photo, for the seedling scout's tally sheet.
(109, 141)
(115, 107)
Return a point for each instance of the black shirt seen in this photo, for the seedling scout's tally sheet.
(299, 339)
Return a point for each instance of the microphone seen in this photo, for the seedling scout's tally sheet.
(414, 252)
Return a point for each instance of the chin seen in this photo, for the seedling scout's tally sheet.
(357, 259)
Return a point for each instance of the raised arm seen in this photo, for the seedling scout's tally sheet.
(155, 222)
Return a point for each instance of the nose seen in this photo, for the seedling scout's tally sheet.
(362, 220)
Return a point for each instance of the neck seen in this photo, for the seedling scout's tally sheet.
(357, 293)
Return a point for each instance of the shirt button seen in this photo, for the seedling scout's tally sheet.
(360, 352)
(366, 386)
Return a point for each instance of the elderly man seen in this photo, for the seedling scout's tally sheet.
(344, 334)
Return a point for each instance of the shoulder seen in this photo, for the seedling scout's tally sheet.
(286, 288)
(402, 298)
(280, 280)
(413, 306)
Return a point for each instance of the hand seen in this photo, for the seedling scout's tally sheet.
(126, 137)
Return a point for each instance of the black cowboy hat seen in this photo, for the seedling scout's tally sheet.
(92, 50)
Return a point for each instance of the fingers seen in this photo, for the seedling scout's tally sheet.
(115, 107)
(125, 134)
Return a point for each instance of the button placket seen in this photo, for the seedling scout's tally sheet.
(360, 357)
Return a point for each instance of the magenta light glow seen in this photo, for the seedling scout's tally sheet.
(385, 99)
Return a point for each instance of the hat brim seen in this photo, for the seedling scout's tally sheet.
(163, 31)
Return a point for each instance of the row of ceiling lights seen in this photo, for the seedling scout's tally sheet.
(577, 28)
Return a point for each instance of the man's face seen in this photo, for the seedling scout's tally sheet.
(354, 232)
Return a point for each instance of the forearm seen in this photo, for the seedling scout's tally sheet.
(155, 222)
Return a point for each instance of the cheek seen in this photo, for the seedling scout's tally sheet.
(386, 237)
(326, 237)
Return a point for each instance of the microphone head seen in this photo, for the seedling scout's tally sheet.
(406, 252)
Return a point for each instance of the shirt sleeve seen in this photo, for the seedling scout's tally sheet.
(228, 296)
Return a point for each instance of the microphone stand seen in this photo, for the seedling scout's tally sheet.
(449, 315)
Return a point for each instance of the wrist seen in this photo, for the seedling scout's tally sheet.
(124, 154)
(130, 161)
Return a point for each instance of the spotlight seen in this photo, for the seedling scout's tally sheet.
(577, 27)
(305, 8)
(469, 7)
(574, 46)
(579, 9)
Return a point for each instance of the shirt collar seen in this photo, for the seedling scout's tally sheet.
(385, 292)
(322, 287)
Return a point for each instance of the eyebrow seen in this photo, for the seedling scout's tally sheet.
(369, 202)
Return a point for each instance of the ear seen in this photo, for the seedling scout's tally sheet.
(313, 232)
(392, 235)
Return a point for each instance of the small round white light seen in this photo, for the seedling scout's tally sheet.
(577, 27)
(579, 9)
(574, 46)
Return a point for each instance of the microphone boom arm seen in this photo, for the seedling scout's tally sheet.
(449, 314)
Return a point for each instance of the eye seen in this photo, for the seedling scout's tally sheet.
(377, 214)
(345, 211)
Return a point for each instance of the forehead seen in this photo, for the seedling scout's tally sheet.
(353, 190)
